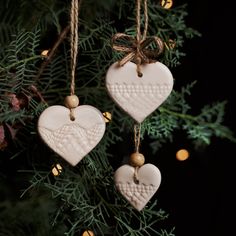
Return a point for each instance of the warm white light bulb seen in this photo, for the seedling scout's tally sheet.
(182, 155)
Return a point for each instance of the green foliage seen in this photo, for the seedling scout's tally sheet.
(17, 72)
(86, 193)
(7, 27)
(174, 115)
(103, 210)
(28, 217)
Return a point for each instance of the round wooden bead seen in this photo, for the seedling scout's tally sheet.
(71, 101)
(137, 159)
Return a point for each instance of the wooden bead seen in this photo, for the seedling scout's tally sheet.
(137, 159)
(71, 101)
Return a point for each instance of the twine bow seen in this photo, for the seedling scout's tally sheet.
(141, 49)
(125, 43)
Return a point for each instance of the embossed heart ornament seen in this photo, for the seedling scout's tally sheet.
(72, 140)
(139, 96)
(139, 194)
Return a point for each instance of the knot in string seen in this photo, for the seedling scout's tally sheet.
(141, 49)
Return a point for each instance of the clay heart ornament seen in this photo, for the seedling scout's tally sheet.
(138, 194)
(72, 140)
(139, 96)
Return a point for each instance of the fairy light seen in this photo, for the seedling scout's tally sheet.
(167, 4)
(56, 170)
(44, 53)
(170, 44)
(88, 233)
(107, 116)
(182, 155)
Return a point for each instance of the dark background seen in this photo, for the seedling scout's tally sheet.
(199, 193)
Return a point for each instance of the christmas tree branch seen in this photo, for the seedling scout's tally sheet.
(19, 62)
(34, 89)
(178, 114)
(60, 39)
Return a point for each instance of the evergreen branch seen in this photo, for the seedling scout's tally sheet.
(60, 39)
(179, 115)
(38, 94)
(204, 120)
(20, 62)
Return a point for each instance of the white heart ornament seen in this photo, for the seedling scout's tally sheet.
(138, 194)
(72, 140)
(139, 96)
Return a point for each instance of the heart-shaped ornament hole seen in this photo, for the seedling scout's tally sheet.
(139, 96)
(72, 140)
(138, 194)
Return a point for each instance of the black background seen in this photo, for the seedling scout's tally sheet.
(199, 192)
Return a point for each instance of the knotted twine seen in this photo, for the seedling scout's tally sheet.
(138, 49)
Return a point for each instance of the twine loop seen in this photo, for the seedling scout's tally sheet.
(136, 178)
(140, 49)
(125, 43)
(137, 134)
(74, 41)
(74, 38)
